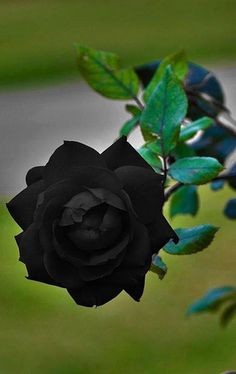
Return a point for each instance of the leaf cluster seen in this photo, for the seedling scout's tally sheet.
(183, 139)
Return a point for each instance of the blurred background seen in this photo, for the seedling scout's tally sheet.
(43, 101)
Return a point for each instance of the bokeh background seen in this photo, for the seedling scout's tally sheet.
(43, 101)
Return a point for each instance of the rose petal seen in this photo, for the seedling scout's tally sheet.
(136, 291)
(122, 153)
(160, 233)
(145, 189)
(45, 220)
(60, 270)
(48, 213)
(31, 256)
(66, 249)
(109, 253)
(51, 202)
(22, 206)
(108, 197)
(84, 200)
(76, 208)
(92, 177)
(79, 257)
(92, 273)
(128, 276)
(57, 266)
(34, 175)
(95, 294)
(97, 232)
(68, 158)
(87, 177)
(137, 260)
(138, 252)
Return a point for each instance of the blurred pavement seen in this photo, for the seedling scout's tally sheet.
(34, 122)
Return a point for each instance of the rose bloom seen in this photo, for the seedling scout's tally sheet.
(91, 222)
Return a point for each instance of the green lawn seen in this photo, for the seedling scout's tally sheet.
(43, 331)
(37, 36)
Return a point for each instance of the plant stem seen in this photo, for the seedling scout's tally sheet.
(172, 189)
(138, 102)
(164, 169)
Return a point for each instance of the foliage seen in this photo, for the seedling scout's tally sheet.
(176, 114)
(179, 66)
(195, 170)
(184, 201)
(216, 299)
(190, 130)
(103, 73)
(191, 240)
(169, 97)
(158, 266)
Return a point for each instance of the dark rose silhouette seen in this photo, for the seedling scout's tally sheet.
(91, 222)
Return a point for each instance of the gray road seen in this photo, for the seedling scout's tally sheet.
(34, 122)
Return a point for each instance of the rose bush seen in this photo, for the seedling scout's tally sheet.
(91, 222)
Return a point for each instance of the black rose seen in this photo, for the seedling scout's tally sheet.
(91, 221)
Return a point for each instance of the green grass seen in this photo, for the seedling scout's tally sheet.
(43, 331)
(37, 36)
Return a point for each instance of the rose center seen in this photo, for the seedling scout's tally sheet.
(100, 228)
(91, 223)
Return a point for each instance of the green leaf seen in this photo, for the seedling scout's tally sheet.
(155, 146)
(191, 240)
(102, 72)
(184, 201)
(195, 170)
(133, 109)
(228, 314)
(151, 158)
(147, 135)
(165, 109)
(183, 150)
(212, 300)
(130, 125)
(158, 266)
(179, 65)
(190, 130)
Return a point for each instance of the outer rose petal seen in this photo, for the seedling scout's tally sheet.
(22, 206)
(95, 294)
(88, 274)
(31, 256)
(136, 291)
(160, 233)
(138, 251)
(129, 276)
(66, 160)
(122, 153)
(145, 189)
(61, 271)
(34, 175)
